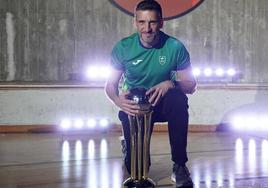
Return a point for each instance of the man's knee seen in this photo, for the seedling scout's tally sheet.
(175, 97)
(123, 117)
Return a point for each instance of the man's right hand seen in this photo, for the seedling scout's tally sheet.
(128, 106)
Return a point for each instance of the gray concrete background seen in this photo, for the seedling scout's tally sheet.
(48, 106)
(46, 40)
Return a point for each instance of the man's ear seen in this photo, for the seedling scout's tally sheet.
(134, 22)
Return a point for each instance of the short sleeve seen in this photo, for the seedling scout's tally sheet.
(183, 58)
(117, 58)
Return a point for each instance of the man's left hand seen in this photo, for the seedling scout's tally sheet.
(158, 91)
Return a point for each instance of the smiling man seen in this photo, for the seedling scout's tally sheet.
(160, 63)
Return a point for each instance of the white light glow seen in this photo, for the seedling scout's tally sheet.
(196, 174)
(91, 149)
(252, 155)
(231, 72)
(219, 175)
(78, 158)
(104, 169)
(117, 174)
(208, 178)
(105, 174)
(239, 157)
(91, 123)
(196, 71)
(231, 178)
(104, 123)
(65, 154)
(104, 72)
(65, 124)
(208, 72)
(238, 122)
(93, 72)
(219, 72)
(93, 171)
(78, 150)
(92, 174)
(78, 123)
(65, 151)
(264, 156)
(250, 122)
(263, 124)
(98, 72)
(103, 149)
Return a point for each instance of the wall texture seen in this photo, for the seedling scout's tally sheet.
(48, 106)
(47, 40)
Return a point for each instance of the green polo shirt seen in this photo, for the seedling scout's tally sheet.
(146, 67)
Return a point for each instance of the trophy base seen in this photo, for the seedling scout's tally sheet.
(131, 183)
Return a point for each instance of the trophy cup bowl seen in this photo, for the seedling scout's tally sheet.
(139, 95)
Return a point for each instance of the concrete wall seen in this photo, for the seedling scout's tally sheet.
(46, 40)
(208, 106)
(49, 106)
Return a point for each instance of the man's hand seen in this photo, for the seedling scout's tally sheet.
(158, 91)
(111, 88)
(128, 106)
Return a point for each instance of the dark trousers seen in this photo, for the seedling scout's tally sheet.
(172, 108)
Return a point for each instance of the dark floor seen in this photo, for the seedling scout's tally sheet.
(83, 160)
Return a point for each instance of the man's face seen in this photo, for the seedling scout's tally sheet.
(148, 24)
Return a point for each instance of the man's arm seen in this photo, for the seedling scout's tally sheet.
(111, 89)
(111, 86)
(186, 80)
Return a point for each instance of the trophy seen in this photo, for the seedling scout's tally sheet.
(140, 135)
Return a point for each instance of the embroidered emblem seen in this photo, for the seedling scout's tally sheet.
(162, 60)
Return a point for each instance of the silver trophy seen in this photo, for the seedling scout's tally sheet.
(140, 135)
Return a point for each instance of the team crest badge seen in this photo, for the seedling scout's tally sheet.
(171, 8)
(162, 60)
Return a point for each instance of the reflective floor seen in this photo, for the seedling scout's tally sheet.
(72, 161)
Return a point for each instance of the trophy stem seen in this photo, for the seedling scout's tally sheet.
(140, 135)
(140, 167)
(133, 138)
(146, 143)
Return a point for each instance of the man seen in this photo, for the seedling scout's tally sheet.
(149, 59)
